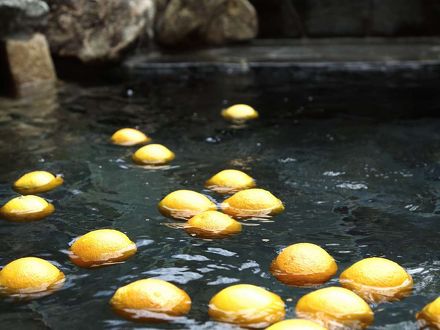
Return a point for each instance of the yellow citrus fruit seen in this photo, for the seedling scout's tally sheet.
(153, 154)
(26, 208)
(30, 275)
(37, 182)
(230, 181)
(430, 315)
(252, 203)
(151, 300)
(101, 247)
(212, 224)
(303, 264)
(129, 137)
(239, 113)
(296, 324)
(334, 307)
(247, 305)
(377, 279)
(184, 204)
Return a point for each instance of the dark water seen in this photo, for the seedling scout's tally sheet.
(355, 157)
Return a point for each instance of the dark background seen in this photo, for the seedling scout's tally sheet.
(347, 18)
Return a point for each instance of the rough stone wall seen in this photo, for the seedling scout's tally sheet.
(347, 18)
(103, 30)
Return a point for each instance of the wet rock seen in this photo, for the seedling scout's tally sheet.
(21, 16)
(97, 30)
(185, 22)
(26, 65)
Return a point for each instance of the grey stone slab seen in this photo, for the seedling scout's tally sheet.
(385, 51)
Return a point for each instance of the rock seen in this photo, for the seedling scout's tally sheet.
(97, 30)
(21, 16)
(185, 22)
(27, 64)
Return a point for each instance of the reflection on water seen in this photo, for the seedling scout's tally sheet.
(359, 186)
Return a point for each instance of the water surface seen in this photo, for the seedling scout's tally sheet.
(355, 157)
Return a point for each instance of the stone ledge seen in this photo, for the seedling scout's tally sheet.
(402, 52)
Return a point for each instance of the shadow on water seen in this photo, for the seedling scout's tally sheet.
(353, 155)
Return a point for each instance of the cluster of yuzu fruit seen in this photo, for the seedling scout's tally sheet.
(371, 280)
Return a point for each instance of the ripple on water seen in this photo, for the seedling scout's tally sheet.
(188, 257)
(180, 275)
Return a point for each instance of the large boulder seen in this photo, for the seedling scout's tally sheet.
(19, 17)
(98, 30)
(215, 22)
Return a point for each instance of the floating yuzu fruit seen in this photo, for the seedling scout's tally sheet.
(252, 203)
(151, 300)
(184, 204)
(430, 315)
(247, 305)
(335, 307)
(296, 324)
(239, 113)
(101, 247)
(377, 279)
(212, 224)
(230, 181)
(303, 264)
(129, 137)
(153, 154)
(30, 276)
(37, 182)
(26, 208)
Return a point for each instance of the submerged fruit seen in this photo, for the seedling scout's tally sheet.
(26, 208)
(151, 300)
(37, 182)
(230, 181)
(252, 203)
(184, 204)
(247, 305)
(129, 137)
(212, 224)
(377, 279)
(153, 154)
(296, 324)
(30, 276)
(430, 315)
(101, 247)
(334, 307)
(239, 113)
(303, 264)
